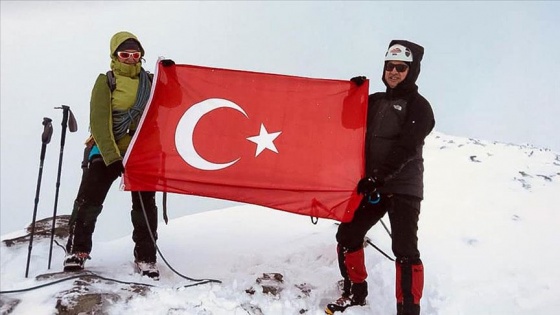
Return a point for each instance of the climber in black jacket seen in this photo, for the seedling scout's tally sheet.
(398, 121)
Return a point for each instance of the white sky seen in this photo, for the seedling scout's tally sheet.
(489, 71)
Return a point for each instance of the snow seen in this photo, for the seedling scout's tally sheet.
(488, 237)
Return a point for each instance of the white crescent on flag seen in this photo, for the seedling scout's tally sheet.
(185, 130)
(201, 125)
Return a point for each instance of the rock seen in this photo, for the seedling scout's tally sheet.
(43, 229)
(252, 309)
(271, 283)
(7, 305)
(88, 297)
(89, 303)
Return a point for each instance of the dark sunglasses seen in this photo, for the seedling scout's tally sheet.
(126, 54)
(400, 67)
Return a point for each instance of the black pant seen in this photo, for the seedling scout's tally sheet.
(403, 215)
(95, 185)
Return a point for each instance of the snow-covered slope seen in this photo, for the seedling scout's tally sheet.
(488, 236)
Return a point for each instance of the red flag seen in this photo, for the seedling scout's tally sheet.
(289, 143)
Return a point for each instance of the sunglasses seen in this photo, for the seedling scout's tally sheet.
(126, 54)
(400, 67)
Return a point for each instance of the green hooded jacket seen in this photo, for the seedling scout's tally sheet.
(103, 102)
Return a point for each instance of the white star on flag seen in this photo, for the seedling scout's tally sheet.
(264, 140)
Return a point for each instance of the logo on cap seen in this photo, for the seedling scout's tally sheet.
(398, 52)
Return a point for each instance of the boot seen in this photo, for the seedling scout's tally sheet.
(409, 285)
(359, 293)
(148, 269)
(357, 296)
(75, 261)
(411, 309)
(340, 305)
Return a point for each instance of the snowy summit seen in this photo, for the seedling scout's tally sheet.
(488, 235)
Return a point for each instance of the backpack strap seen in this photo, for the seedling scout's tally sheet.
(111, 80)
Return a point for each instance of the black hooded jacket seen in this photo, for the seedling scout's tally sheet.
(398, 121)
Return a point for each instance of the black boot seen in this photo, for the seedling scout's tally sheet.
(340, 305)
(358, 294)
(409, 309)
(75, 261)
(410, 284)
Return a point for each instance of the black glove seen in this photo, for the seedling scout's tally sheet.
(368, 185)
(167, 62)
(116, 168)
(359, 80)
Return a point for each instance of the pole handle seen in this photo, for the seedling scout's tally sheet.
(68, 118)
(47, 130)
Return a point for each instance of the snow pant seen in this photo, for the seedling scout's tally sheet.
(403, 213)
(80, 195)
(95, 185)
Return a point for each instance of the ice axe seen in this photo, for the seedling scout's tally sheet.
(68, 120)
(45, 138)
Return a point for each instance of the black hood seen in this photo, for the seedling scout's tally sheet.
(409, 84)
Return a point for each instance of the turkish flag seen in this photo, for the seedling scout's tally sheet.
(289, 143)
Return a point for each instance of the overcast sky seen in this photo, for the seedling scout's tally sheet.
(490, 69)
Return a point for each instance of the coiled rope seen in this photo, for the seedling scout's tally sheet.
(122, 120)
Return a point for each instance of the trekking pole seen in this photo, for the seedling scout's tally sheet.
(46, 138)
(386, 228)
(378, 249)
(68, 120)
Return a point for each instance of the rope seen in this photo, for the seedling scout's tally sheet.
(122, 120)
(161, 255)
(94, 275)
(82, 274)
